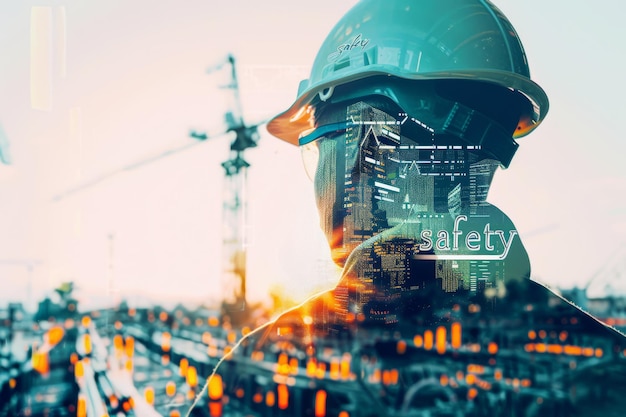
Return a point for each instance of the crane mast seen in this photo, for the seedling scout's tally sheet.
(234, 208)
(234, 243)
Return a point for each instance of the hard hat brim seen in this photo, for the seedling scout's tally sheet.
(289, 124)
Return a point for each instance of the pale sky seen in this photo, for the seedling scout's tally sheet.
(118, 81)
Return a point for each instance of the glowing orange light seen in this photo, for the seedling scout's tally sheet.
(492, 348)
(283, 397)
(599, 353)
(428, 340)
(41, 362)
(311, 367)
(563, 336)
(386, 377)
(282, 365)
(573, 350)
(401, 347)
(320, 403)
(148, 394)
(163, 316)
(440, 340)
(456, 335)
(215, 409)
(532, 335)
(293, 366)
(257, 398)
(55, 335)
(542, 334)
(472, 393)
(81, 407)
(183, 365)
(418, 341)
(79, 370)
(270, 399)
(86, 321)
(227, 350)
(174, 413)
(129, 346)
(475, 369)
(231, 337)
(166, 341)
(343, 414)
(239, 393)
(170, 389)
(321, 370)
(555, 349)
(470, 379)
(345, 365)
(334, 368)
(118, 342)
(129, 365)
(213, 321)
(393, 376)
(87, 343)
(498, 375)
(216, 388)
(192, 376)
(73, 358)
(12, 383)
(443, 380)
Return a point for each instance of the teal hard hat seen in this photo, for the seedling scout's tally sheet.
(416, 40)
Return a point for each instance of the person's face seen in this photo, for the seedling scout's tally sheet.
(369, 177)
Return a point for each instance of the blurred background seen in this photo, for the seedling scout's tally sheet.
(103, 185)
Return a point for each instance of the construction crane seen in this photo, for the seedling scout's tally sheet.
(234, 243)
(234, 197)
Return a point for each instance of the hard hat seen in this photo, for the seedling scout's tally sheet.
(416, 40)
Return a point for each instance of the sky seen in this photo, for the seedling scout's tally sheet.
(88, 88)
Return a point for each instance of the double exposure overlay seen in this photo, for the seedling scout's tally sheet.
(435, 314)
(237, 209)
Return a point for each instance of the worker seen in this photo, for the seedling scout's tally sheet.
(410, 108)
